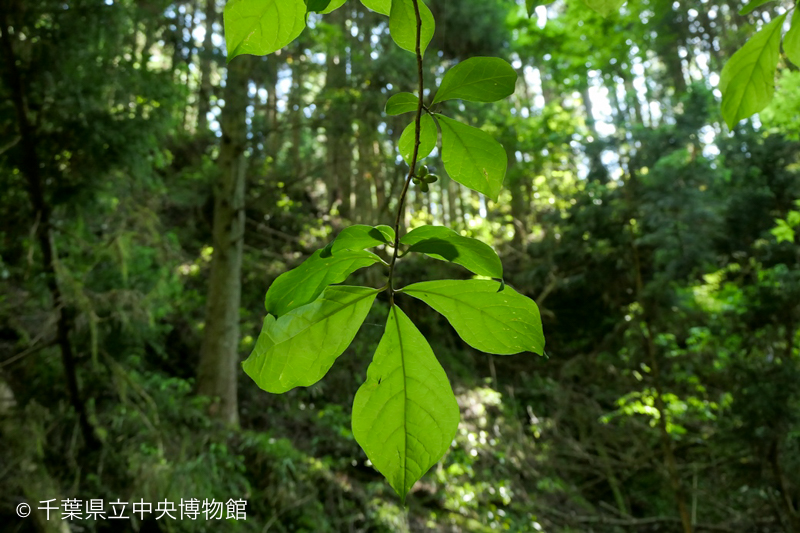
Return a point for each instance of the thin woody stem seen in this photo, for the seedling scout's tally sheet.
(413, 164)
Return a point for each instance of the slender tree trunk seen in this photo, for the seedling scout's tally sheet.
(204, 96)
(338, 128)
(31, 168)
(217, 374)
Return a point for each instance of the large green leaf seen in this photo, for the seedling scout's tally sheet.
(402, 103)
(403, 25)
(747, 81)
(752, 5)
(359, 237)
(428, 135)
(298, 349)
(260, 27)
(315, 6)
(303, 284)
(495, 321)
(604, 7)
(383, 7)
(445, 244)
(791, 41)
(472, 157)
(405, 414)
(478, 79)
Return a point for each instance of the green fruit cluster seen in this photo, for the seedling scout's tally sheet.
(424, 178)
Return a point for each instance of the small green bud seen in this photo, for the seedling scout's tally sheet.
(431, 178)
(416, 180)
(423, 187)
(423, 171)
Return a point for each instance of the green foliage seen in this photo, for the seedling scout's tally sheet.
(428, 137)
(478, 79)
(472, 157)
(403, 24)
(604, 7)
(261, 27)
(791, 41)
(445, 244)
(405, 414)
(305, 283)
(488, 315)
(753, 4)
(379, 6)
(401, 103)
(298, 349)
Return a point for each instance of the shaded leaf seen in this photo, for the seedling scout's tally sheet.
(445, 244)
(478, 79)
(531, 5)
(472, 157)
(405, 414)
(303, 284)
(791, 41)
(401, 103)
(260, 27)
(298, 349)
(428, 136)
(403, 25)
(359, 237)
(332, 6)
(499, 322)
(747, 81)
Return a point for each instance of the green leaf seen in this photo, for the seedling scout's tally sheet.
(783, 231)
(405, 414)
(747, 81)
(359, 237)
(401, 103)
(502, 322)
(752, 5)
(604, 7)
(403, 25)
(791, 41)
(383, 7)
(333, 6)
(260, 27)
(478, 79)
(428, 135)
(793, 218)
(303, 284)
(472, 157)
(445, 244)
(315, 6)
(298, 349)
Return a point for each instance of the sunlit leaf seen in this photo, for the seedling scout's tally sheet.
(604, 7)
(405, 414)
(472, 157)
(401, 103)
(303, 284)
(478, 79)
(359, 237)
(403, 25)
(495, 321)
(260, 27)
(753, 5)
(298, 349)
(445, 244)
(791, 41)
(428, 135)
(747, 81)
(383, 7)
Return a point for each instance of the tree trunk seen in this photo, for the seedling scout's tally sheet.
(338, 127)
(219, 359)
(204, 97)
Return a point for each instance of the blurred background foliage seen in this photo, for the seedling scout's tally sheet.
(660, 247)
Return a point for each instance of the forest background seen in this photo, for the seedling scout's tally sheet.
(659, 245)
